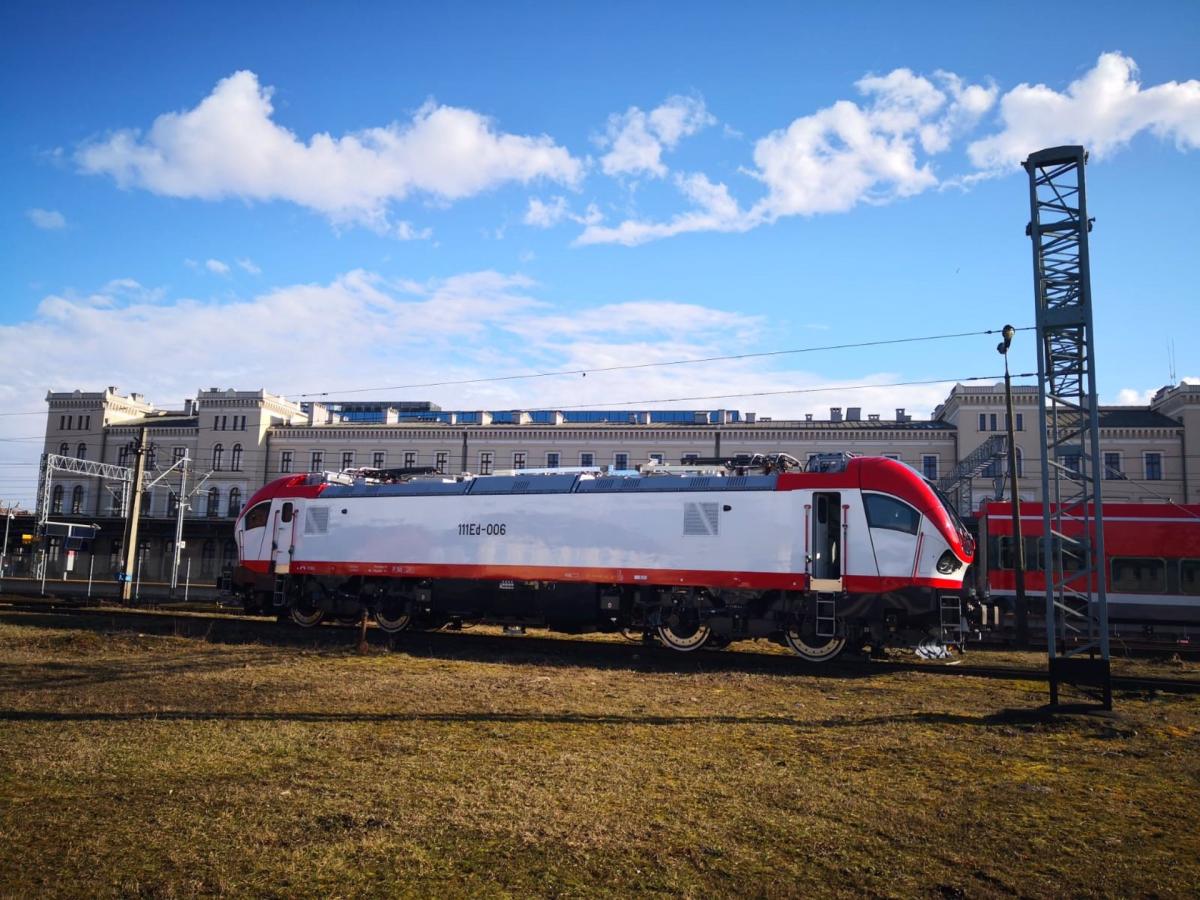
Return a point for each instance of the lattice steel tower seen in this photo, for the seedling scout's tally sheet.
(1072, 461)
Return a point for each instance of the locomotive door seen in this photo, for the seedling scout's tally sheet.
(825, 557)
(281, 543)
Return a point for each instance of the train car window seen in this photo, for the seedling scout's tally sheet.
(287, 513)
(257, 517)
(1189, 576)
(890, 513)
(1071, 562)
(1139, 574)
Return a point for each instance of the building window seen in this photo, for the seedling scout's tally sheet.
(216, 423)
(54, 549)
(285, 462)
(1020, 463)
(218, 457)
(552, 460)
(379, 460)
(123, 456)
(519, 460)
(440, 461)
(64, 449)
(317, 461)
(208, 556)
(587, 459)
(76, 500)
(620, 460)
(657, 458)
(214, 502)
(1112, 467)
(235, 501)
(235, 458)
(929, 466)
(152, 455)
(1153, 466)
(895, 456)
(1020, 421)
(992, 423)
(178, 453)
(983, 421)
(228, 555)
(347, 459)
(62, 423)
(485, 462)
(410, 459)
(172, 504)
(56, 498)
(81, 451)
(239, 422)
(115, 508)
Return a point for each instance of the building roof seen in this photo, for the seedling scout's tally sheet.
(1135, 417)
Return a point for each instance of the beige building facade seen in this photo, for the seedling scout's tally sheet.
(236, 441)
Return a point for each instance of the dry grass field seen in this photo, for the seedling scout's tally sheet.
(453, 765)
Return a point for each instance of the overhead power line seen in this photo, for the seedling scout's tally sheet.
(596, 370)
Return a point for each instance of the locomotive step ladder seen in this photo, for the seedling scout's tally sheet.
(825, 609)
(279, 596)
(950, 619)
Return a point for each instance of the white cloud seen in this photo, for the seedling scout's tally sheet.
(636, 139)
(229, 145)
(48, 219)
(216, 267)
(714, 210)
(1134, 397)
(1103, 110)
(249, 265)
(831, 160)
(548, 213)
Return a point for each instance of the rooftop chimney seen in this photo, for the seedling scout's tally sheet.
(900, 416)
(835, 414)
(808, 417)
(854, 414)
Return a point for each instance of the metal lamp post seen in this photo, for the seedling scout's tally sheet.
(1018, 547)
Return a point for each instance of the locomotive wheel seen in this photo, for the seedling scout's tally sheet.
(684, 631)
(307, 616)
(392, 618)
(813, 649)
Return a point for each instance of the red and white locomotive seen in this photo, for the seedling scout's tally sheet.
(853, 551)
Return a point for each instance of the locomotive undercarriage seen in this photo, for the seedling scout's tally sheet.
(816, 627)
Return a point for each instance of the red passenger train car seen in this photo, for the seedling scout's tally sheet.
(1152, 569)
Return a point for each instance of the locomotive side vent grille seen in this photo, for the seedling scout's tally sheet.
(520, 486)
(316, 520)
(736, 481)
(701, 519)
(700, 482)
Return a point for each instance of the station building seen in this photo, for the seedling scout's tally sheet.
(239, 440)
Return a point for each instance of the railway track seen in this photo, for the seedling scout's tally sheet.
(228, 627)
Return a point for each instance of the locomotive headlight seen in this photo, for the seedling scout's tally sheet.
(948, 563)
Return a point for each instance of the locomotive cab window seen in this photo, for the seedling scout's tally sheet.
(287, 513)
(888, 512)
(1139, 574)
(257, 517)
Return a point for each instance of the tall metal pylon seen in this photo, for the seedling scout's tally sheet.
(1069, 418)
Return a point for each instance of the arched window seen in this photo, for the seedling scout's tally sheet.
(208, 556)
(235, 458)
(214, 501)
(56, 497)
(81, 451)
(77, 499)
(218, 454)
(64, 449)
(235, 501)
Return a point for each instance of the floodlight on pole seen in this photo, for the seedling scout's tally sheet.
(1018, 542)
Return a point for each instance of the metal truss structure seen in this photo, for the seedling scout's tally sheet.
(1068, 418)
(52, 462)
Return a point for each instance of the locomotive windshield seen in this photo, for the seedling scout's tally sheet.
(959, 526)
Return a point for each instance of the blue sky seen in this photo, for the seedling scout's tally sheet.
(308, 197)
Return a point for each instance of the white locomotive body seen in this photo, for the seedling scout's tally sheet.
(818, 559)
